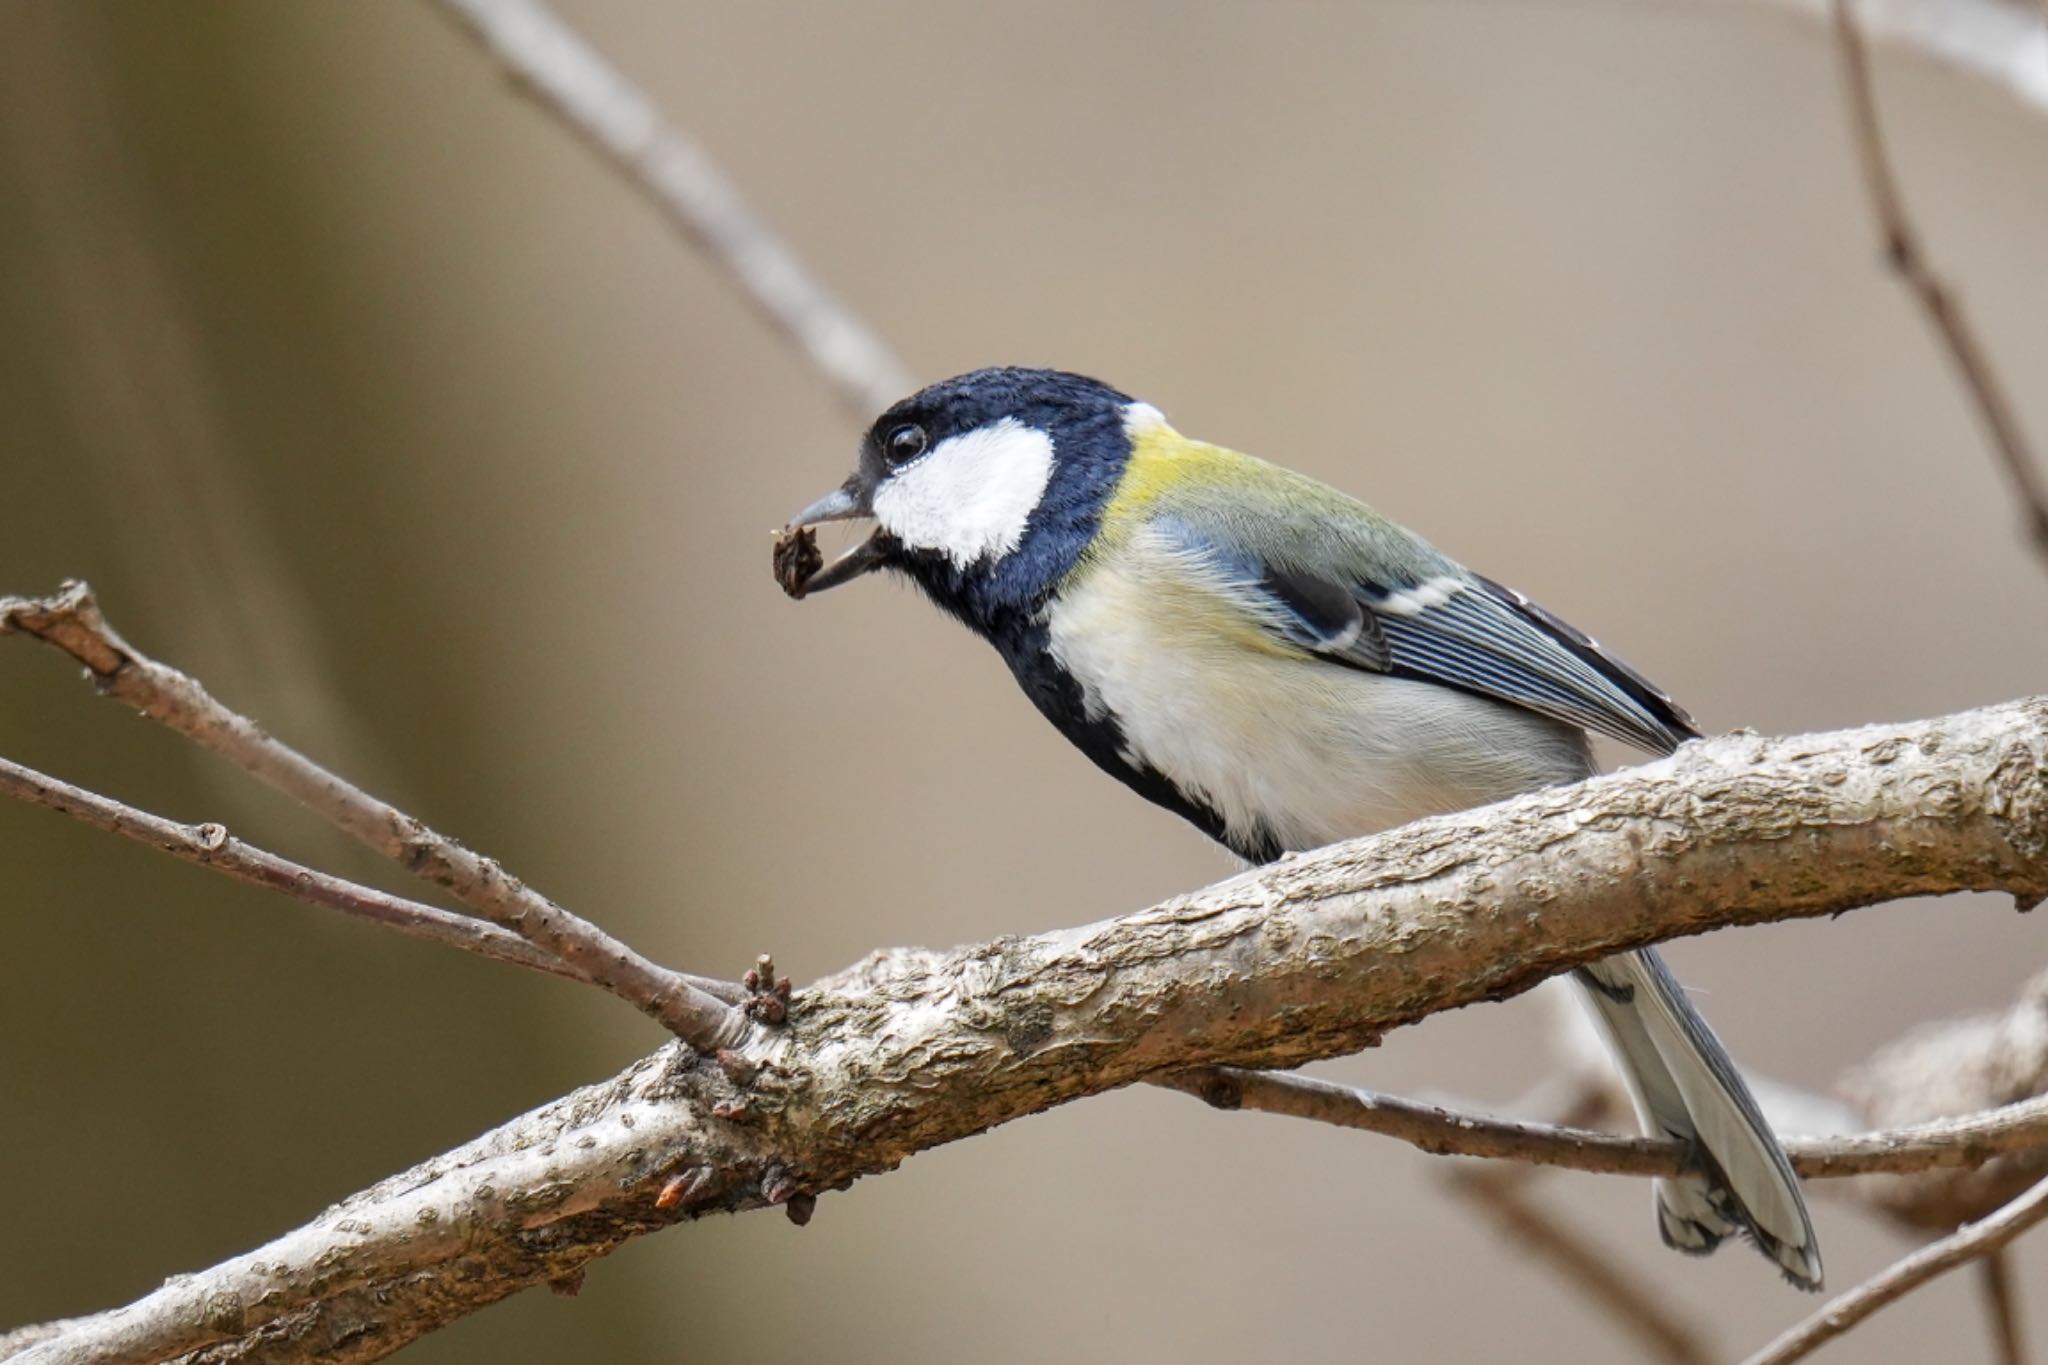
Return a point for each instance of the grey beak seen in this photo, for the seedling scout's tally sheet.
(841, 504)
(838, 505)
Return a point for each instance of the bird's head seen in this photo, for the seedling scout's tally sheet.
(985, 489)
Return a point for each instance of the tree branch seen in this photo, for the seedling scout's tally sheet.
(1937, 1258)
(2002, 1305)
(2002, 42)
(1613, 1285)
(1608, 1281)
(211, 845)
(1309, 957)
(573, 81)
(71, 622)
(900, 1046)
(1968, 1141)
(1908, 260)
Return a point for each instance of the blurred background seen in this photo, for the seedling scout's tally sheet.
(359, 390)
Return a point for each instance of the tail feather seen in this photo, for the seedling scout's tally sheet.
(1686, 1087)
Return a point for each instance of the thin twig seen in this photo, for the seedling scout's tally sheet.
(574, 81)
(1634, 1304)
(1937, 1258)
(1504, 1195)
(1994, 1274)
(1968, 1141)
(71, 622)
(1908, 260)
(1998, 42)
(210, 845)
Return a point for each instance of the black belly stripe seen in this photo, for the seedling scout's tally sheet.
(1054, 691)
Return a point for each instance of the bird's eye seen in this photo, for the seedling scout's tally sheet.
(905, 444)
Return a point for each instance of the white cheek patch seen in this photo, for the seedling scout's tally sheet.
(969, 496)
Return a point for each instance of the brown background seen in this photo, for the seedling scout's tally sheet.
(358, 389)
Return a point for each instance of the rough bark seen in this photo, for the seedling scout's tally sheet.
(1310, 957)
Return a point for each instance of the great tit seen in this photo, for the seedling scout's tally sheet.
(1284, 667)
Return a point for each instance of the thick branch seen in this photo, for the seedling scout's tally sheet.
(71, 622)
(1307, 958)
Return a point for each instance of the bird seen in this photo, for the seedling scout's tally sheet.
(1283, 667)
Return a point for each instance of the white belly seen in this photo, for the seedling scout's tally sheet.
(1307, 750)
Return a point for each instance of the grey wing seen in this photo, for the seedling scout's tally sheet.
(1472, 633)
(1326, 617)
(1455, 629)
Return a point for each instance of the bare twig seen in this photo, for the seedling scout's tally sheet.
(1937, 1258)
(2001, 42)
(71, 622)
(1629, 1300)
(1958, 1142)
(1971, 1144)
(210, 845)
(1504, 1195)
(1907, 258)
(1309, 957)
(575, 82)
(2002, 1305)
(1435, 1129)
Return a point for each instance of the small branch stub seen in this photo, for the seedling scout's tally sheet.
(770, 994)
